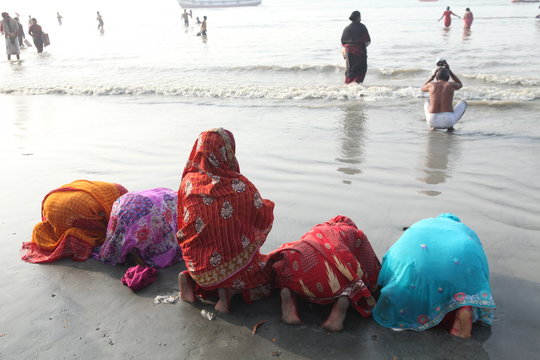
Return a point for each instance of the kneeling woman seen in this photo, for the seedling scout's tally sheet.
(436, 273)
(222, 223)
(332, 263)
(143, 226)
(74, 221)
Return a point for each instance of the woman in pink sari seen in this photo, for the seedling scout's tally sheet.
(467, 18)
(447, 15)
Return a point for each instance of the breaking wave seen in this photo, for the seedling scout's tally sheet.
(342, 92)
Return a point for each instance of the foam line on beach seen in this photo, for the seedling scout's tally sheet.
(341, 92)
(503, 80)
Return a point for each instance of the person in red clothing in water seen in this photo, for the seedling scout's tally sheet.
(447, 17)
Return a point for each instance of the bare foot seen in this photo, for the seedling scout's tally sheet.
(225, 296)
(187, 287)
(462, 322)
(288, 308)
(337, 315)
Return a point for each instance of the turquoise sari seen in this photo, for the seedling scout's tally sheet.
(436, 266)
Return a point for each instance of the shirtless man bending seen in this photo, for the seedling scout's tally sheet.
(440, 114)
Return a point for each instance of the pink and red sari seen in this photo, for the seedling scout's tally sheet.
(331, 260)
(222, 221)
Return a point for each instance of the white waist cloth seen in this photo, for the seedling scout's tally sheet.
(445, 120)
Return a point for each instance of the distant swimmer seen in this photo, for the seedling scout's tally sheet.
(467, 18)
(99, 19)
(198, 21)
(59, 18)
(355, 40)
(538, 16)
(10, 28)
(185, 16)
(447, 17)
(440, 114)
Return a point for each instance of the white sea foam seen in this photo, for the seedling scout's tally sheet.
(338, 93)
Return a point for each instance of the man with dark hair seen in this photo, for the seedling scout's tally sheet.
(440, 113)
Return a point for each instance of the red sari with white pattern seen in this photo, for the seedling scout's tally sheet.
(333, 259)
(222, 221)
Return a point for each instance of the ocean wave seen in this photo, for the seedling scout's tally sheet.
(341, 92)
(503, 80)
(401, 72)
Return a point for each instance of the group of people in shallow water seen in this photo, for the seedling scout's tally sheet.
(439, 109)
(436, 274)
(13, 31)
(203, 26)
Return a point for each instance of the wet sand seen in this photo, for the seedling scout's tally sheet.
(378, 165)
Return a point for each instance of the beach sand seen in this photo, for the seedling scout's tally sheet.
(376, 163)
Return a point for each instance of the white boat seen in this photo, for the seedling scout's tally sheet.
(191, 4)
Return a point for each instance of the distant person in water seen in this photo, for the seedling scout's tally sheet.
(10, 28)
(467, 18)
(203, 27)
(29, 20)
(185, 16)
(37, 35)
(198, 21)
(440, 114)
(20, 33)
(447, 15)
(538, 16)
(100, 21)
(59, 18)
(435, 274)
(355, 40)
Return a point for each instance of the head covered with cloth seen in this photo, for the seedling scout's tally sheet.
(222, 223)
(74, 221)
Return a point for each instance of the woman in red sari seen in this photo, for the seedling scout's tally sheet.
(222, 222)
(332, 263)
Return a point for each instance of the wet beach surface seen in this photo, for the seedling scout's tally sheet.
(377, 164)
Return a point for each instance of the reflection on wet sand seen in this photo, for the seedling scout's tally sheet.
(352, 146)
(440, 146)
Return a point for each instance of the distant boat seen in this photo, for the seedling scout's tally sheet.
(191, 4)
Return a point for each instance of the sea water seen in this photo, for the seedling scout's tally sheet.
(281, 50)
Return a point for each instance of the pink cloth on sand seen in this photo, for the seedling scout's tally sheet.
(139, 277)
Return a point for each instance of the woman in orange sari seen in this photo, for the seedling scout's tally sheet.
(222, 222)
(74, 221)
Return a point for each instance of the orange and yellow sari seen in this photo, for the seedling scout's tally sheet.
(74, 221)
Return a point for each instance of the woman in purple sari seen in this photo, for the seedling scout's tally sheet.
(143, 225)
(355, 39)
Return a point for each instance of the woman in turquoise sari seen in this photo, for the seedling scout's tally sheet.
(436, 273)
